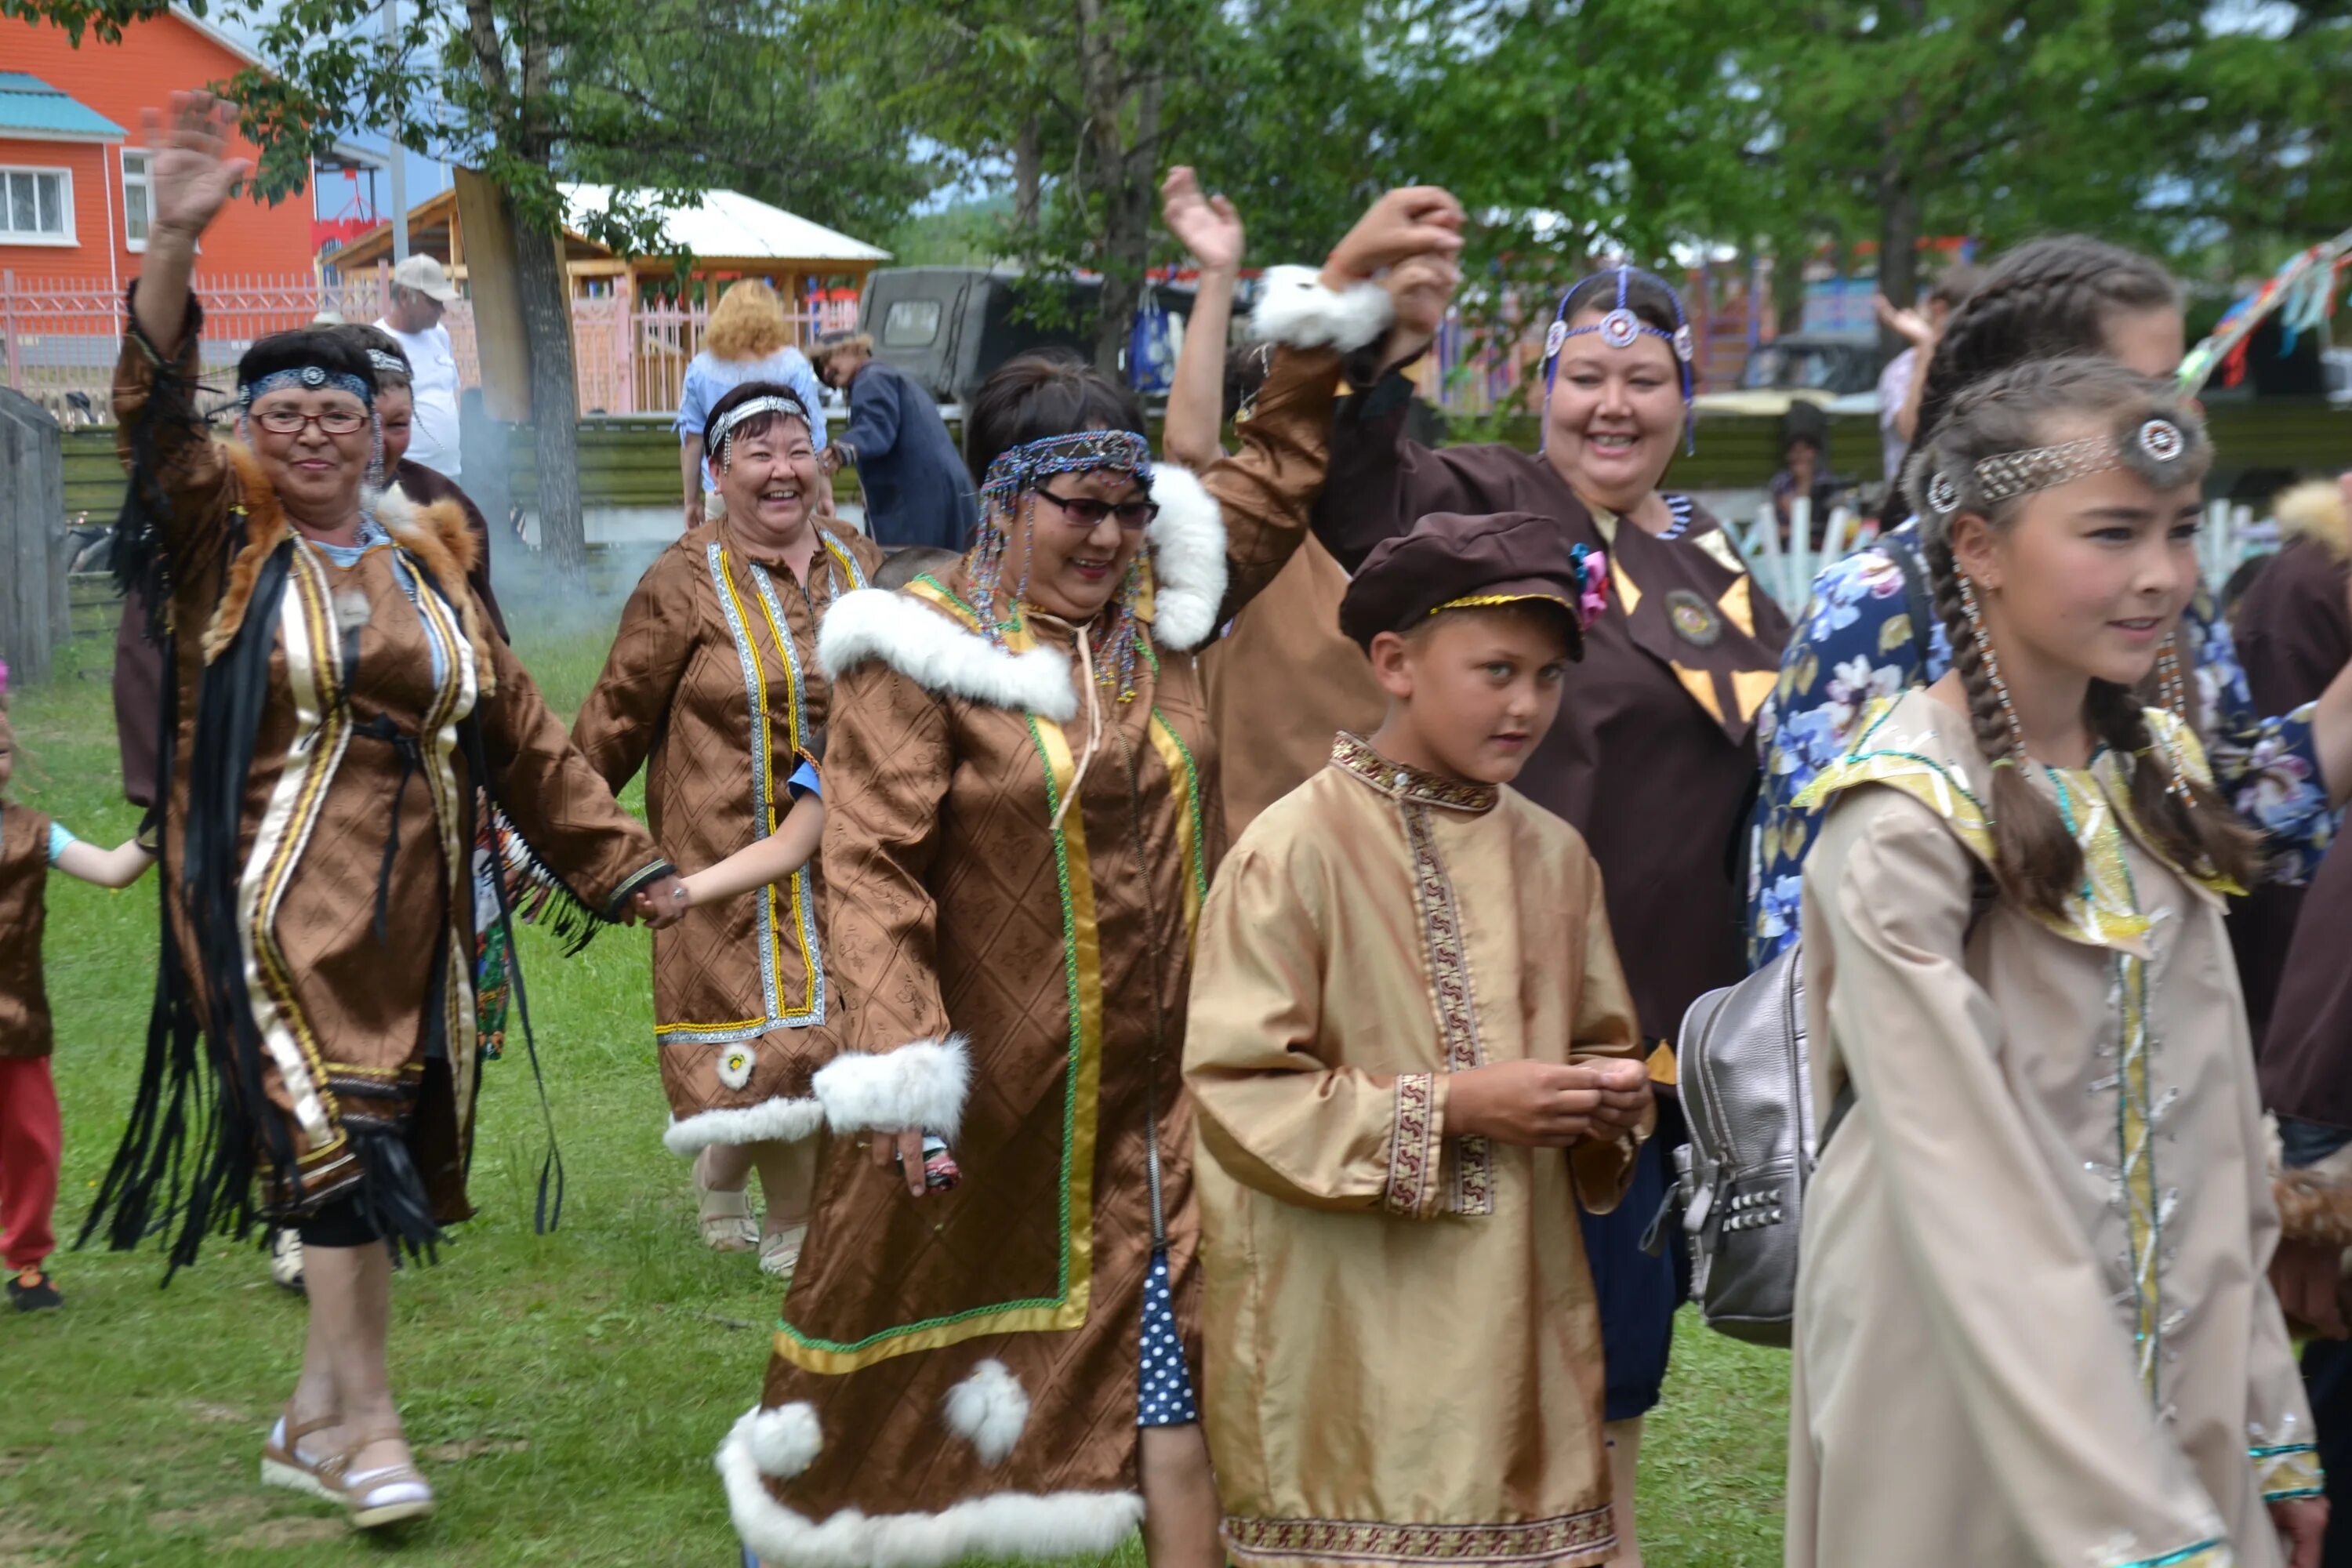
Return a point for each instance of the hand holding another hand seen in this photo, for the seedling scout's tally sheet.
(1547, 1105)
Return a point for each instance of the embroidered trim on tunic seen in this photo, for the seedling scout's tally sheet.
(772, 915)
(2288, 1471)
(1354, 755)
(1578, 1535)
(1454, 996)
(1413, 1152)
(2204, 1555)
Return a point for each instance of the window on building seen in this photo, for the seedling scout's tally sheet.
(137, 202)
(36, 205)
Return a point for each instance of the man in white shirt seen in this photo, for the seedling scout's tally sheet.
(421, 290)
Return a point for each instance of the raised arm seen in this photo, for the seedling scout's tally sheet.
(1212, 231)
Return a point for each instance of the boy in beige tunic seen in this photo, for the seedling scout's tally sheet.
(1405, 1007)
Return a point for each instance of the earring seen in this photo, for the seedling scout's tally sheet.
(1992, 662)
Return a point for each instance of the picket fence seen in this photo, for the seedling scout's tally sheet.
(59, 336)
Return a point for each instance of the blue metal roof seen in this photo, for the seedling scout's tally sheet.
(31, 107)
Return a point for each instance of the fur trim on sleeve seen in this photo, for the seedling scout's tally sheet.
(2313, 510)
(1296, 311)
(1188, 558)
(941, 656)
(919, 1085)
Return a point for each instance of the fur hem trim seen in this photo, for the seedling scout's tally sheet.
(990, 1407)
(919, 1085)
(770, 1122)
(2314, 511)
(942, 656)
(1296, 310)
(1006, 1525)
(782, 1442)
(2313, 1206)
(1188, 559)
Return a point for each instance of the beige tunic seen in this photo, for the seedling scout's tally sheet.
(1404, 1357)
(2034, 1325)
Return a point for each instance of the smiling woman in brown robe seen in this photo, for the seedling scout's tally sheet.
(1021, 825)
(713, 682)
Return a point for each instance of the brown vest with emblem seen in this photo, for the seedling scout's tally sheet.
(24, 882)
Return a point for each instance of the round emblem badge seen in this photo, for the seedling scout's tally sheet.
(1554, 338)
(2162, 440)
(735, 1065)
(313, 376)
(1684, 349)
(1620, 328)
(1942, 494)
(1694, 619)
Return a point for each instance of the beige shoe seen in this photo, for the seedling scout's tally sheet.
(283, 1463)
(780, 1254)
(726, 1220)
(385, 1495)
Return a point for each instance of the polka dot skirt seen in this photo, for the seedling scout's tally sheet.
(1163, 1383)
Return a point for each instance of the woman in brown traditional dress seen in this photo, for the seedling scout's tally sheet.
(1021, 799)
(713, 679)
(1654, 754)
(314, 1027)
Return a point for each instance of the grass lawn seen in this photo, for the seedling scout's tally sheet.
(565, 1393)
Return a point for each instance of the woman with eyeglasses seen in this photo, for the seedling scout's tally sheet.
(334, 698)
(986, 1351)
(713, 688)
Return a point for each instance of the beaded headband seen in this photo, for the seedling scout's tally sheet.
(311, 378)
(1018, 469)
(2005, 476)
(387, 364)
(1620, 328)
(722, 434)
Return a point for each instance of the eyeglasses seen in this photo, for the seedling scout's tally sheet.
(1087, 512)
(292, 421)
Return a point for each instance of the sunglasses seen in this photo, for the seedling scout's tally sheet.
(1086, 512)
(290, 420)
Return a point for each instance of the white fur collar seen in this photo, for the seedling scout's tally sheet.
(940, 654)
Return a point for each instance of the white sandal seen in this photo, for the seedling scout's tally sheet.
(726, 1220)
(385, 1495)
(780, 1254)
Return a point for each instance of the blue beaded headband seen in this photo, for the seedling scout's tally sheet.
(722, 434)
(1621, 329)
(311, 378)
(1018, 469)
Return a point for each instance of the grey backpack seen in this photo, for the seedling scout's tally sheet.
(1741, 1063)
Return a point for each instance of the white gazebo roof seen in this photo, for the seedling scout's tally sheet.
(731, 224)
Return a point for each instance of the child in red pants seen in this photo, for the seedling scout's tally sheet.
(30, 1136)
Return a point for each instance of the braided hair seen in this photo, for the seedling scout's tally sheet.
(2036, 860)
(2045, 300)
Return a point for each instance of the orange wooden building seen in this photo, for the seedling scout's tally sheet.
(73, 190)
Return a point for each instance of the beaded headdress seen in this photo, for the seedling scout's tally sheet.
(2155, 451)
(1621, 328)
(311, 378)
(722, 433)
(1011, 483)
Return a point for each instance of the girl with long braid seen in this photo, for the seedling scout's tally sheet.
(1868, 631)
(2041, 1210)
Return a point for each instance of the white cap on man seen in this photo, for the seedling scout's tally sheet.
(427, 275)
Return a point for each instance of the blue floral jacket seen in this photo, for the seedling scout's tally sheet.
(1855, 642)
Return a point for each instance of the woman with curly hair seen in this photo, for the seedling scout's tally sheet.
(749, 339)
